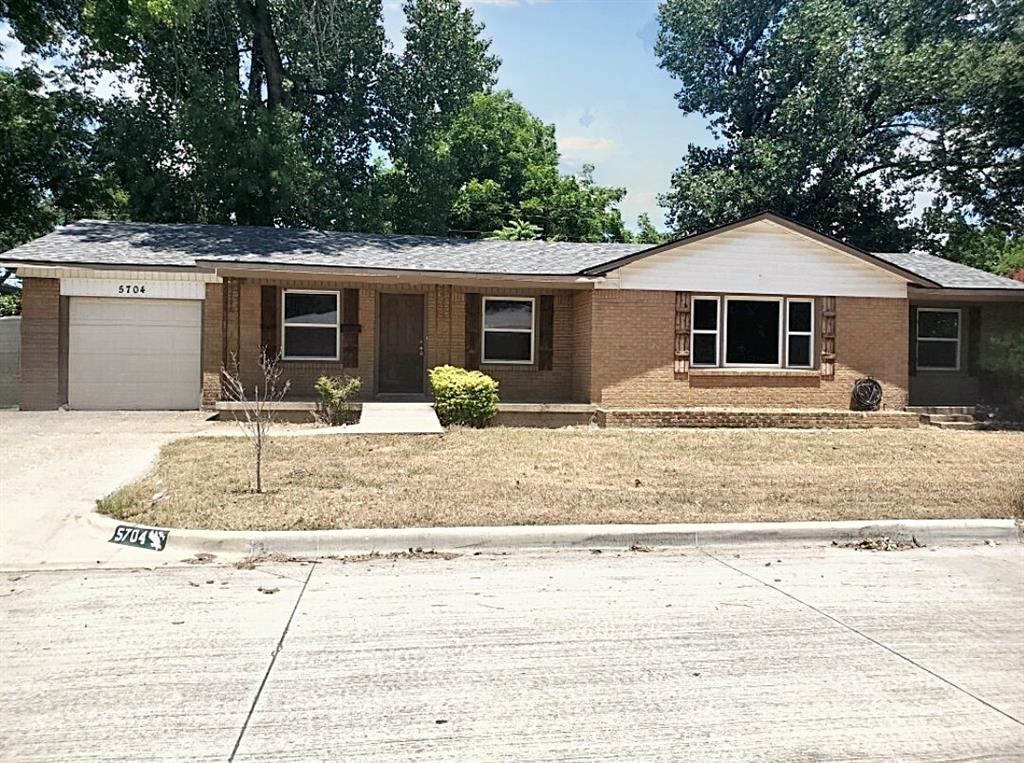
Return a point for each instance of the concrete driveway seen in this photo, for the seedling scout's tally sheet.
(57, 463)
(772, 653)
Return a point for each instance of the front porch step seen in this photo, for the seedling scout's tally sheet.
(945, 418)
(958, 424)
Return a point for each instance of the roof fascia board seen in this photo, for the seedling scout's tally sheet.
(15, 263)
(252, 270)
(953, 293)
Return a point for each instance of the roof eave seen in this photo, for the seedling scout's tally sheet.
(41, 263)
(986, 294)
(225, 267)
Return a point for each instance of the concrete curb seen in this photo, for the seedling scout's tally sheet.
(929, 532)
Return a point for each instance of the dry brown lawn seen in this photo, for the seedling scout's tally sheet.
(505, 476)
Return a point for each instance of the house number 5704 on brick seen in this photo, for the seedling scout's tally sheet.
(131, 288)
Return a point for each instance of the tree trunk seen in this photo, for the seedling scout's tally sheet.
(264, 47)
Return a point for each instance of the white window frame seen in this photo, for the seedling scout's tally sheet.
(717, 330)
(809, 334)
(781, 301)
(337, 325)
(531, 331)
(919, 338)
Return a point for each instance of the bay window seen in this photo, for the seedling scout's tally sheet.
(508, 327)
(938, 339)
(311, 325)
(752, 332)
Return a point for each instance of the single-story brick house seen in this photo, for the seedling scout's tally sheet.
(761, 313)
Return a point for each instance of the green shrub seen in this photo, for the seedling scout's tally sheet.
(10, 304)
(335, 392)
(466, 398)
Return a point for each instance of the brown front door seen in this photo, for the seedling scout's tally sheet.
(401, 344)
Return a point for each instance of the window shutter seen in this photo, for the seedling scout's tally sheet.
(270, 299)
(546, 333)
(912, 355)
(473, 329)
(682, 335)
(974, 341)
(350, 328)
(828, 338)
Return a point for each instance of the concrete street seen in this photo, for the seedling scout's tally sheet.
(759, 653)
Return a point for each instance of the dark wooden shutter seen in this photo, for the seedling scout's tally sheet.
(828, 338)
(473, 330)
(350, 328)
(912, 354)
(546, 333)
(269, 300)
(974, 341)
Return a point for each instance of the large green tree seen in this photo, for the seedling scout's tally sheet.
(49, 172)
(253, 112)
(504, 162)
(838, 111)
(287, 112)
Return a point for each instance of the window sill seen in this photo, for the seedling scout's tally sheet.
(784, 373)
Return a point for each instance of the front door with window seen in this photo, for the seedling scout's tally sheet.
(400, 331)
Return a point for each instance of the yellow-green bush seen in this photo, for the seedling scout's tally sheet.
(466, 398)
(334, 393)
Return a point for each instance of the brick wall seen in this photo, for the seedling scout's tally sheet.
(40, 345)
(733, 418)
(521, 383)
(633, 340)
(445, 339)
(583, 346)
(244, 337)
(212, 342)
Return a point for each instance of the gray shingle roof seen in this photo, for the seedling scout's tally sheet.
(946, 273)
(99, 242)
(117, 243)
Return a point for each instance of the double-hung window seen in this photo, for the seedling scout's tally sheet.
(704, 337)
(508, 327)
(752, 332)
(938, 339)
(311, 325)
(799, 333)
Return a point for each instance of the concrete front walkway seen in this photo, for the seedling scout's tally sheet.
(397, 418)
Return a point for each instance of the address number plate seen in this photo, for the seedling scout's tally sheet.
(140, 537)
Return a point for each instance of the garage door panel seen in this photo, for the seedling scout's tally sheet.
(134, 354)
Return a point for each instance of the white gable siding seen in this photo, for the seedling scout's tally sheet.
(759, 258)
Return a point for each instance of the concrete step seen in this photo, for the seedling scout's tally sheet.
(965, 410)
(938, 418)
(958, 424)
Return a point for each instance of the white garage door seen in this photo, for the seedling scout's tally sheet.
(133, 354)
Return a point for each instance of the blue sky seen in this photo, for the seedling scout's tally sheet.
(588, 66)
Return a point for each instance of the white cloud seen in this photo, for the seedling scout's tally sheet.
(585, 144)
(506, 3)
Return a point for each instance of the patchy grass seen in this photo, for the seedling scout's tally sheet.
(504, 476)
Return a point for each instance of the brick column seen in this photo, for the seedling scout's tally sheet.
(40, 345)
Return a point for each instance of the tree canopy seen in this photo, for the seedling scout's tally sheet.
(838, 111)
(280, 112)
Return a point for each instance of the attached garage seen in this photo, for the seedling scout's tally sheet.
(134, 354)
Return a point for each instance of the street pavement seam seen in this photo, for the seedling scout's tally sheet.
(270, 666)
(863, 635)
